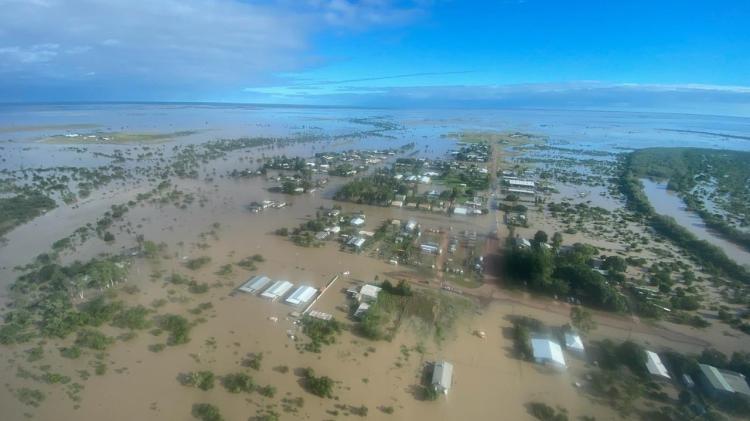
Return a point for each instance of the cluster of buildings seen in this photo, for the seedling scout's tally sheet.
(547, 351)
(354, 161)
(472, 152)
(265, 287)
(364, 295)
(256, 207)
(524, 189)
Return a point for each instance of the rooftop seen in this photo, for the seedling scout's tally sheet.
(573, 341)
(724, 380)
(442, 375)
(547, 350)
(655, 366)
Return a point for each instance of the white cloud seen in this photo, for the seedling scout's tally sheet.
(180, 44)
(37, 53)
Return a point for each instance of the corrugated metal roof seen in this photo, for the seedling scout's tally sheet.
(573, 341)
(548, 350)
(715, 378)
(255, 284)
(278, 289)
(655, 366)
(442, 374)
(301, 295)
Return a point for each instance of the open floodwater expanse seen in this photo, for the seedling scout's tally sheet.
(141, 383)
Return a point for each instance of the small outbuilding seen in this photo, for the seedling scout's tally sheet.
(442, 376)
(356, 242)
(655, 367)
(547, 352)
(361, 310)
(573, 342)
(369, 293)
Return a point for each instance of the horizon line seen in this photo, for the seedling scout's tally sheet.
(363, 107)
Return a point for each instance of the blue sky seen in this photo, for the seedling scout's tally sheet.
(689, 55)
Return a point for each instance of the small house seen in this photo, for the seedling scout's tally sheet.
(573, 342)
(369, 293)
(442, 376)
(547, 352)
(655, 367)
(361, 310)
(356, 242)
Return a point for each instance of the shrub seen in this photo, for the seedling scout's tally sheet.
(203, 380)
(267, 391)
(89, 338)
(238, 382)
(544, 412)
(198, 262)
(206, 412)
(178, 328)
(72, 352)
(319, 386)
(132, 318)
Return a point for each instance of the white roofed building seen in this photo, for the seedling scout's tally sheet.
(573, 342)
(521, 183)
(369, 293)
(547, 352)
(655, 367)
(301, 295)
(255, 284)
(442, 376)
(277, 289)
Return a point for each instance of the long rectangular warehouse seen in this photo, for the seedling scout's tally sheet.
(255, 284)
(277, 289)
(301, 295)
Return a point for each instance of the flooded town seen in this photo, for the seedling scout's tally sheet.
(341, 264)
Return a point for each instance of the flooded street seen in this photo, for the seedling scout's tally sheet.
(206, 216)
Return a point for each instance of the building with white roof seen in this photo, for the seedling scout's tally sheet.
(361, 310)
(521, 183)
(573, 342)
(522, 191)
(654, 365)
(356, 242)
(357, 221)
(255, 284)
(547, 352)
(301, 295)
(369, 293)
(277, 290)
(442, 376)
(430, 248)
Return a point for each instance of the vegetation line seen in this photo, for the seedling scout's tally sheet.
(710, 256)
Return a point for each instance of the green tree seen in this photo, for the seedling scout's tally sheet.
(582, 319)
